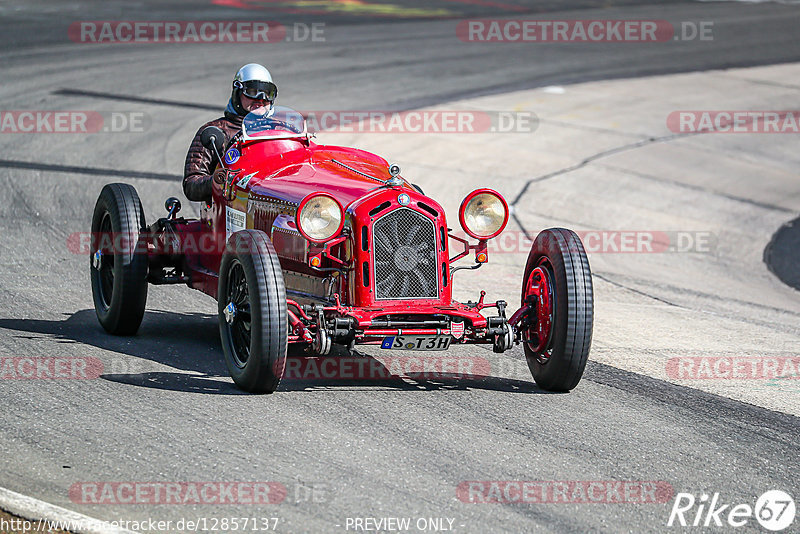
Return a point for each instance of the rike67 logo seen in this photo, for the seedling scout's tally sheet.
(774, 510)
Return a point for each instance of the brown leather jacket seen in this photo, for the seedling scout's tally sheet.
(201, 162)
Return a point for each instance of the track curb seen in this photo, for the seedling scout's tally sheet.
(35, 510)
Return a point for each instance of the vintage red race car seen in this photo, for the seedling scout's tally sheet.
(306, 245)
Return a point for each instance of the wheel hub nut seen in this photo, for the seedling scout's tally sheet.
(230, 312)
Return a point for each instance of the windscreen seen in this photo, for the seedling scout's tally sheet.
(277, 122)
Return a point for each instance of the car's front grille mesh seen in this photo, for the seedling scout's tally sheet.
(405, 256)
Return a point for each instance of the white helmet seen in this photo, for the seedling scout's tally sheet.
(254, 81)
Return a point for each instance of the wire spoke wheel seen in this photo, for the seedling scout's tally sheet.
(253, 316)
(105, 265)
(539, 294)
(239, 324)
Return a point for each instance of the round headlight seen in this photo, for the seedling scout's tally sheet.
(483, 214)
(320, 217)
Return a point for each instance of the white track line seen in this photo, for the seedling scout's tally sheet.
(34, 509)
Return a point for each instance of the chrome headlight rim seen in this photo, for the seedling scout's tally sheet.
(298, 216)
(465, 204)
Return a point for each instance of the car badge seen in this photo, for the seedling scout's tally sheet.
(403, 199)
(457, 329)
(232, 156)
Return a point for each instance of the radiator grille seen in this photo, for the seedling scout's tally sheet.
(405, 256)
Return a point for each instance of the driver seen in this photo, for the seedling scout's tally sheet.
(252, 89)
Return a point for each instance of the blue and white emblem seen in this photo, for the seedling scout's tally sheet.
(232, 156)
(403, 199)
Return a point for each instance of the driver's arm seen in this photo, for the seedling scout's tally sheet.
(197, 173)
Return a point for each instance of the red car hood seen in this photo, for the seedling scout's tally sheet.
(324, 169)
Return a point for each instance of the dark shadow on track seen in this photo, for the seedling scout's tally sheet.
(186, 341)
(190, 342)
(772, 425)
(319, 380)
(176, 382)
(71, 169)
(782, 254)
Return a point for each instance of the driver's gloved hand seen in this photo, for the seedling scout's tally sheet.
(197, 188)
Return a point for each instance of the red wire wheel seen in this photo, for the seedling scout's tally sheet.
(537, 333)
(557, 329)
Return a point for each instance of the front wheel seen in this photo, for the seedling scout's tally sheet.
(557, 332)
(252, 312)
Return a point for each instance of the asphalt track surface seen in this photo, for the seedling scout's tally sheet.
(165, 409)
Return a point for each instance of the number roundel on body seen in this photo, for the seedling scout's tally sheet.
(232, 156)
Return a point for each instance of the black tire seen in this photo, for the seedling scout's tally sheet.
(119, 275)
(560, 364)
(255, 341)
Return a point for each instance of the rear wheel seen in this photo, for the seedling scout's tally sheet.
(118, 266)
(557, 333)
(252, 312)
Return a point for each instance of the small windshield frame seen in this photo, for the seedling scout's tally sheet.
(275, 122)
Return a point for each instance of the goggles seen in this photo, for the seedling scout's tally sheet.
(257, 89)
